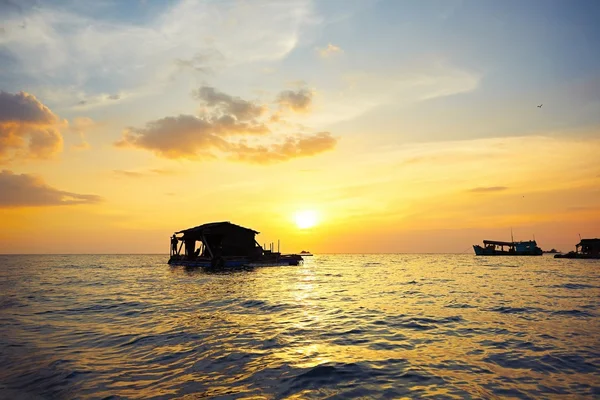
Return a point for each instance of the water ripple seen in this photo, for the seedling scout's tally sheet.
(341, 326)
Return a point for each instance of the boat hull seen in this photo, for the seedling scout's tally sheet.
(578, 255)
(236, 263)
(482, 251)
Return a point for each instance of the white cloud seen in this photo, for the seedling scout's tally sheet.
(102, 57)
(360, 92)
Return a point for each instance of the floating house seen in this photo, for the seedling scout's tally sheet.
(224, 245)
(498, 248)
(586, 248)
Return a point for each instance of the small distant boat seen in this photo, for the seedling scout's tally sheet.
(551, 251)
(586, 248)
(224, 245)
(305, 253)
(498, 248)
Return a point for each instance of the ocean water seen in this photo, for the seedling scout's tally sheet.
(340, 326)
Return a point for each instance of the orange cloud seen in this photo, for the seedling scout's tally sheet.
(79, 126)
(28, 129)
(221, 128)
(26, 190)
(187, 136)
(489, 189)
(141, 174)
(292, 147)
(224, 104)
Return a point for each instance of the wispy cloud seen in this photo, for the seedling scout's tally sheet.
(293, 146)
(142, 174)
(329, 51)
(79, 126)
(94, 55)
(488, 189)
(26, 190)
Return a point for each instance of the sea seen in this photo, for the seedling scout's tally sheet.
(440, 326)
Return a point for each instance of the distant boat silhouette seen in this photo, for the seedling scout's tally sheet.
(586, 248)
(551, 251)
(496, 248)
(305, 253)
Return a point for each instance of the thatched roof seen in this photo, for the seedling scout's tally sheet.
(589, 242)
(214, 228)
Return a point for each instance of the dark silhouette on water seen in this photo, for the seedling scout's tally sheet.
(226, 245)
(497, 248)
(174, 242)
(586, 248)
(552, 251)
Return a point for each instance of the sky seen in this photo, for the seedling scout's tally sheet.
(338, 126)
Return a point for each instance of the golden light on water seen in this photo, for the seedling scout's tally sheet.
(306, 219)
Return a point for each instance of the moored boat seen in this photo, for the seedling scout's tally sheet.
(499, 248)
(224, 245)
(586, 248)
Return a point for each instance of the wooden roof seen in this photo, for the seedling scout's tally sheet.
(214, 227)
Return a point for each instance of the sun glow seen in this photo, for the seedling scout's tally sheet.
(306, 219)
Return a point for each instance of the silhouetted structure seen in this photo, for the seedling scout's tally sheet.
(498, 248)
(223, 244)
(586, 248)
(551, 251)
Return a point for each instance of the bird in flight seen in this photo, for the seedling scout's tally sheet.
(540, 106)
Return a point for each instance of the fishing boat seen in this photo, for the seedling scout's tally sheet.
(224, 245)
(586, 248)
(498, 248)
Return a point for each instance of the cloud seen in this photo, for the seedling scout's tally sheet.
(187, 136)
(204, 61)
(298, 101)
(225, 104)
(292, 147)
(90, 50)
(329, 51)
(28, 129)
(79, 126)
(24, 108)
(224, 126)
(488, 189)
(26, 190)
(91, 101)
(142, 174)
(583, 208)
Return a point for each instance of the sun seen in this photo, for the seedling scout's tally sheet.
(306, 219)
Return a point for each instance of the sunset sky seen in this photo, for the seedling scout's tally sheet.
(398, 126)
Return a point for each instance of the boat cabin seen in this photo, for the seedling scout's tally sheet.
(588, 246)
(499, 248)
(223, 245)
(517, 247)
(217, 239)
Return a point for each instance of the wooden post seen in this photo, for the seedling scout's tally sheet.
(207, 247)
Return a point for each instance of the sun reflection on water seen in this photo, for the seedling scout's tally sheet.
(391, 326)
